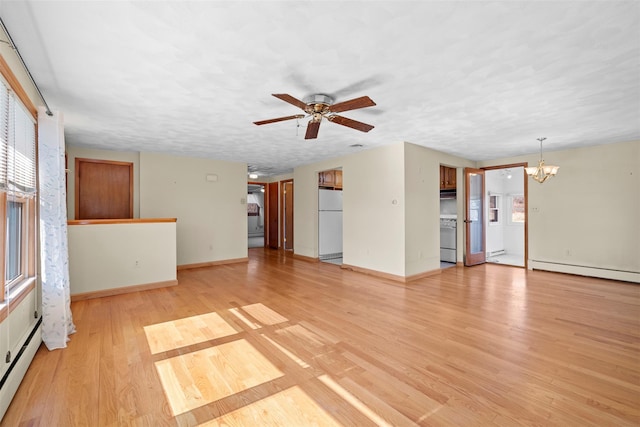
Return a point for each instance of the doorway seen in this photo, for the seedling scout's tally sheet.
(286, 214)
(505, 215)
(330, 216)
(256, 213)
(495, 215)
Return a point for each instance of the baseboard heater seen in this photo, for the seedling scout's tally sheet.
(582, 270)
(336, 255)
(496, 253)
(9, 384)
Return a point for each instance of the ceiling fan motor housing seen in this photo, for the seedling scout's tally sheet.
(318, 98)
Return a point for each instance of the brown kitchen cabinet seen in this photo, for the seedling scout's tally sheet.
(330, 179)
(447, 178)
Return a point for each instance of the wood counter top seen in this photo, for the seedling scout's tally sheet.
(118, 221)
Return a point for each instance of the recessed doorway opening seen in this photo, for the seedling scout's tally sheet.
(505, 215)
(255, 215)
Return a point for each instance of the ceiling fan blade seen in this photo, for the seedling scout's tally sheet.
(352, 104)
(279, 119)
(291, 100)
(354, 124)
(312, 129)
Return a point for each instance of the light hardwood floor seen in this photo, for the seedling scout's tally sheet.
(280, 341)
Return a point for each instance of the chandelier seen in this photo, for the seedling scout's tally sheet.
(541, 172)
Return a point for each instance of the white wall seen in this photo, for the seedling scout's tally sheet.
(373, 209)
(422, 215)
(111, 256)
(391, 211)
(585, 220)
(373, 224)
(90, 153)
(212, 216)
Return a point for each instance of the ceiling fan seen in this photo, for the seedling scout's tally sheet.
(318, 106)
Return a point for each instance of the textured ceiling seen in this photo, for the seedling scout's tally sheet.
(475, 79)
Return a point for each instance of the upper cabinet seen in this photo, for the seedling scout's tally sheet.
(447, 178)
(330, 179)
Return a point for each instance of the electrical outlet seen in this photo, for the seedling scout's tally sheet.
(137, 264)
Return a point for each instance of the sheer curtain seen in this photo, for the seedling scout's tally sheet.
(57, 321)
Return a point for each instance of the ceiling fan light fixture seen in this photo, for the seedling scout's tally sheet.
(320, 105)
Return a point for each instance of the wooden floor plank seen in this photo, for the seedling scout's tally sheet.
(298, 343)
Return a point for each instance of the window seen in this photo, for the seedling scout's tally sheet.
(17, 191)
(494, 210)
(15, 222)
(517, 209)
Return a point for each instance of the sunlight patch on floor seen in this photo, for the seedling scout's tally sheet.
(264, 314)
(201, 377)
(243, 319)
(302, 334)
(286, 352)
(188, 331)
(290, 407)
(353, 401)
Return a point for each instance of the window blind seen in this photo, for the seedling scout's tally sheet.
(17, 146)
(21, 171)
(4, 133)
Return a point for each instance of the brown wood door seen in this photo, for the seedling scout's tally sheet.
(287, 215)
(104, 189)
(272, 215)
(474, 217)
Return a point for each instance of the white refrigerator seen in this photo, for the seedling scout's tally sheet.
(329, 224)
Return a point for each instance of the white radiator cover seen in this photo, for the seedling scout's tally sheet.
(17, 373)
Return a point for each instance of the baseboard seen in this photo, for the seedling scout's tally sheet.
(122, 290)
(374, 273)
(16, 373)
(306, 258)
(496, 253)
(423, 275)
(603, 273)
(212, 263)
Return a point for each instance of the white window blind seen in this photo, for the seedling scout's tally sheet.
(17, 146)
(4, 133)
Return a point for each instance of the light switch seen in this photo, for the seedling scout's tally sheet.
(212, 177)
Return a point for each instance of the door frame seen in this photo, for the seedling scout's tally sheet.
(272, 239)
(284, 215)
(526, 202)
(479, 257)
(266, 208)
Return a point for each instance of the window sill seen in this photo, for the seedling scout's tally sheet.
(17, 294)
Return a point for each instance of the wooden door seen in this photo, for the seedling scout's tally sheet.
(272, 215)
(104, 189)
(287, 215)
(474, 217)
